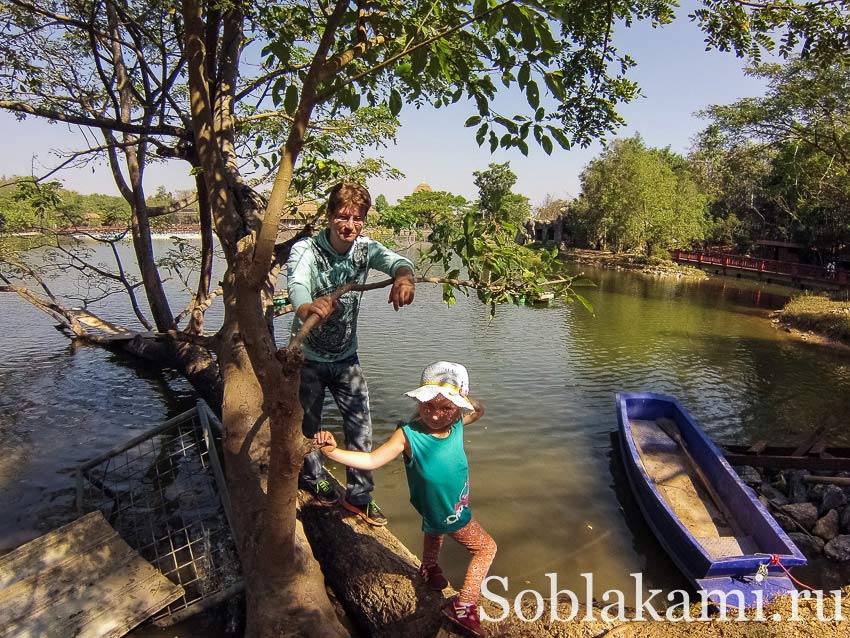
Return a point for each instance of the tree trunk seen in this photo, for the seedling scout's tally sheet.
(284, 586)
(373, 575)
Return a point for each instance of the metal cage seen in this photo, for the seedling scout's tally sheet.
(164, 493)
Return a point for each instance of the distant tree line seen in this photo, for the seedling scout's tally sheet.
(496, 203)
(773, 167)
(29, 205)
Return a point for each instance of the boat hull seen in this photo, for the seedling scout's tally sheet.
(728, 576)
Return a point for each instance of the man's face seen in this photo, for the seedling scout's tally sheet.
(346, 224)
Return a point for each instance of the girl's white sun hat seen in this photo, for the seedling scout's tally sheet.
(446, 378)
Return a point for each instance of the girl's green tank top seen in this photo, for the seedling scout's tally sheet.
(438, 478)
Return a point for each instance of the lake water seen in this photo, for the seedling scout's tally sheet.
(545, 481)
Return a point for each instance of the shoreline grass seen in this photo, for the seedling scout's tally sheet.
(819, 314)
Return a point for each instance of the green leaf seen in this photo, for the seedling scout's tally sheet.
(290, 100)
(584, 302)
(395, 102)
(475, 120)
(494, 142)
(508, 124)
(555, 82)
(524, 74)
(529, 35)
(560, 137)
(354, 101)
(418, 60)
(533, 94)
(482, 104)
(546, 143)
(278, 88)
(523, 147)
(482, 131)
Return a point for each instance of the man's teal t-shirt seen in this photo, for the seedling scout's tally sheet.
(315, 269)
(438, 478)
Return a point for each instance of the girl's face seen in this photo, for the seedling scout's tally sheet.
(438, 413)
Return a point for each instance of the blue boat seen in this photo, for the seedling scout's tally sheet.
(712, 525)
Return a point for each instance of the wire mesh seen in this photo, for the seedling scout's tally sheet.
(162, 493)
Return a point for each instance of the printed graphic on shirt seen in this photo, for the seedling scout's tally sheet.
(336, 334)
(462, 504)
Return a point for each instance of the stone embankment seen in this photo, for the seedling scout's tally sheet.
(813, 507)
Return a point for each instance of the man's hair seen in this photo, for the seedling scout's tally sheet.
(345, 194)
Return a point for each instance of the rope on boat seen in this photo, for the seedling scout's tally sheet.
(776, 560)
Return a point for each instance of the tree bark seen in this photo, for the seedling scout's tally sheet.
(372, 573)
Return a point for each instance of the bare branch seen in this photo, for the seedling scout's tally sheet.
(51, 308)
(254, 84)
(102, 123)
(195, 306)
(173, 207)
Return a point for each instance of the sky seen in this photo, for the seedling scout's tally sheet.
(676, 75)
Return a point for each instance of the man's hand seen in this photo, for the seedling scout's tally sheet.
(404, 287)
(322, 307)
(325, 440)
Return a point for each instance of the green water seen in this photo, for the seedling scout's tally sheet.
(544, 480)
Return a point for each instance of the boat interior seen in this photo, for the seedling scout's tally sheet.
(681, 487)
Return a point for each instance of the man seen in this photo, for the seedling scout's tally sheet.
(317, 266)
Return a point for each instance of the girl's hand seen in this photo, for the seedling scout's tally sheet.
(326, 442)
(472, 417)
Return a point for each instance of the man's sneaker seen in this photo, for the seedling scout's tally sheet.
(322, 490)
(370, 512)
(433, 575)
(463, 615)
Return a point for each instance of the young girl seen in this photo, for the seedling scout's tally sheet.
(438, 478)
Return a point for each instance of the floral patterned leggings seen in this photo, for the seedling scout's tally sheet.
(482, 547)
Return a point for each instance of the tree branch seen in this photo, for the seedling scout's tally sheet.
(101, 123)
(173, 207)
(313, 320)
(267, 237)
(210, 342)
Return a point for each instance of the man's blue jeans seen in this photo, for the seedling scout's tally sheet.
(348, 387)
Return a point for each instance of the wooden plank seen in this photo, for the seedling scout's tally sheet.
(80, 581)
(808, 442)
(757, 448)
(836, 464)
(776, 450)
(818, 448)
